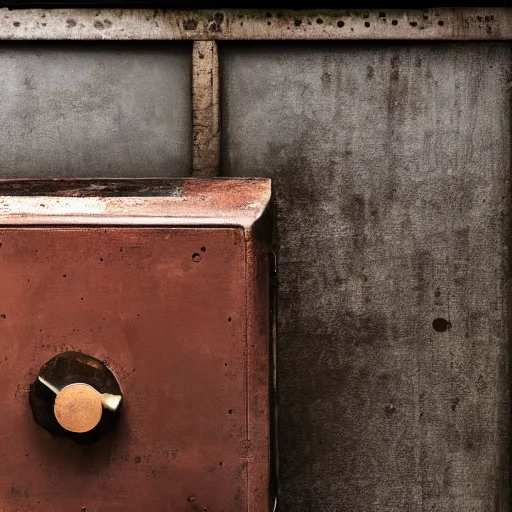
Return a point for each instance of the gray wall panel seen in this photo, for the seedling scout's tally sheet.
(391, 169)
(78, 109)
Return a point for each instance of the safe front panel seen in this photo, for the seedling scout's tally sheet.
(175, 313)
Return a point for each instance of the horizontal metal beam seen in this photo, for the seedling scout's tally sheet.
(143, 24)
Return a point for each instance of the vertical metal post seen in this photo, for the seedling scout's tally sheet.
(205, 109)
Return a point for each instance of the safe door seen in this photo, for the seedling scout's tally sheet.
(136, 353)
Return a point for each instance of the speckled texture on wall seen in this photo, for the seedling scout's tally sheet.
(90, 110)
(391, 165)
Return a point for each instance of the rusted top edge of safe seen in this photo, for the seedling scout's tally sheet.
(146, 201)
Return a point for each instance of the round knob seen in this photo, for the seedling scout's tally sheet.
(76, 395)
(78, 408)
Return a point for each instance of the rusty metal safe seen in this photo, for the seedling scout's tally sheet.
(135, 345)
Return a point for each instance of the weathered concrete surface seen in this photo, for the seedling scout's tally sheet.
(391, 167)
(73, 109)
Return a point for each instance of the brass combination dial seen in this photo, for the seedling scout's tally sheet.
(77, 396)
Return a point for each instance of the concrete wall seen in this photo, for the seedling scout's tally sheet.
(391, 166)
(71, 109)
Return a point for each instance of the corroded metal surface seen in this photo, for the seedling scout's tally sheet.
(180, 315)
(172, 202)
(205, 108)
(105, 24)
